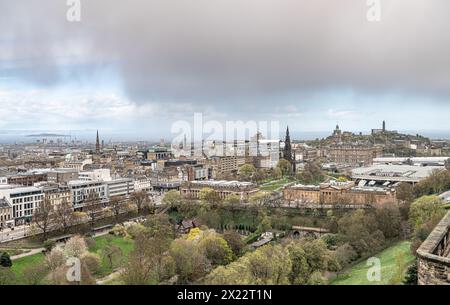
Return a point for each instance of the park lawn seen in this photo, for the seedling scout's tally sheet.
(21, 263)
(357, 275)
(126, 245)
(275, 185)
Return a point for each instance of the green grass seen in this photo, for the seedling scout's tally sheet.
(446, 206)
(126, 245)
(357, 275)
(275, 184)
(20, 264)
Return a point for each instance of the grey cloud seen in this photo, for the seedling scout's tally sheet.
(234, 50)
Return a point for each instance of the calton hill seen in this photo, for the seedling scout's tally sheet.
(214, 240)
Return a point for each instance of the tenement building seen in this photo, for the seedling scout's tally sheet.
(434, 256)
(5, 213)
(353, 154)
(338, 193)
(224, 188)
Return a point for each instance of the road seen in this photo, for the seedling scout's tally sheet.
(18, 233)
(22, 231)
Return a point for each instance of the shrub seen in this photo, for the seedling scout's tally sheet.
(136, 229)
(92, 261)
(49, 244)
(119, 230)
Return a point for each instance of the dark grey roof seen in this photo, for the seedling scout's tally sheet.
(4, 203)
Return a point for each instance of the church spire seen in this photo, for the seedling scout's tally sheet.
(97, 144)
(287, 146)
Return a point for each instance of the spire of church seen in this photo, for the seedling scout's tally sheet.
(97, 144)
(287, 146)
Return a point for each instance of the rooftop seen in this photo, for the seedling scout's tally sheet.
(394, 172)
(4, 203)
(222, 183)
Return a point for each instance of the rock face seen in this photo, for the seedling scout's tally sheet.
(434, 256)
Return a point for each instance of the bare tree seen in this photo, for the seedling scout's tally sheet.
(140, 199)
(64, 215)
(92, 206)
(117, 204)
(43, 216)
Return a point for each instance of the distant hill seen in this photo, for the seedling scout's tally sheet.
(48, 135)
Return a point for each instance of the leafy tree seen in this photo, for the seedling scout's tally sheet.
(92, 261)
(405, 192)
(437, 182)
(233, 200)
(424, 209)
(140, 267)
(235, 241)
(190, 264)
(216, 249)
(260, 199)
(136, 229)
(247, 172)
(187, 209)
(172, 198)
(209, 196)
(389, 221)
(5, 260)
(317, 279)
(360, 230)
(345, 254)
(277, 173)
(299, 264)
(285, 167)
(411, 277)
(265, 223)
(311, 174)
(260, 175)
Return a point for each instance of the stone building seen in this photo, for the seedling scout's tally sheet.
(353, 154)
(434, 256)
(62, 175)
(56, 194)
(27, 179)
(223, 165)
(5, 213)
(333, 193)
(224, 188)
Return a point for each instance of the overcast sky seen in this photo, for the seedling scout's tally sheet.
(140, 65)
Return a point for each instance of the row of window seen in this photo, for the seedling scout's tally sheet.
(27, 199)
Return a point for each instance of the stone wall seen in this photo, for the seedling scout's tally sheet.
(434, 256)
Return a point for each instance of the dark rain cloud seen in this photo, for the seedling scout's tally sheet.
(233, 50)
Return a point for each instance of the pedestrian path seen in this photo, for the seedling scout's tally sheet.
(32, 252)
